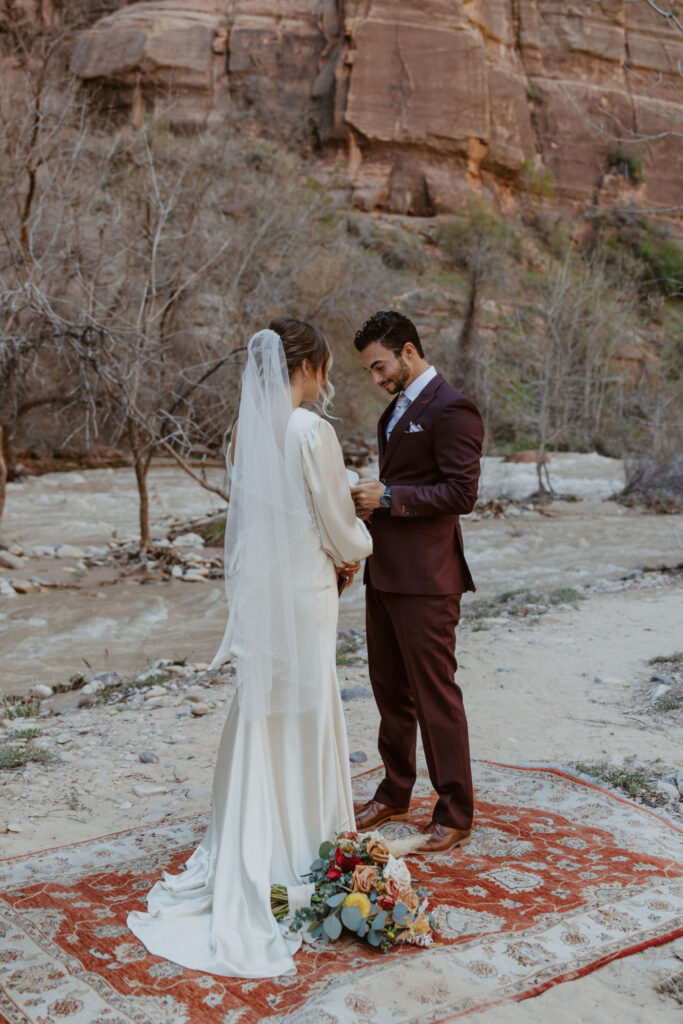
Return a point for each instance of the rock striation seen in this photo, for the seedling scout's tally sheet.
(427, 102)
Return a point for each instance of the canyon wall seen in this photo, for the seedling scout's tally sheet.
(425, 102)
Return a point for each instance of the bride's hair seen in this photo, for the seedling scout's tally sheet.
(303, 341)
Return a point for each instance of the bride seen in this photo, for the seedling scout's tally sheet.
(282, 783)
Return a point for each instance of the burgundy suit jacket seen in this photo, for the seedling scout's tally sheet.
(433, 474)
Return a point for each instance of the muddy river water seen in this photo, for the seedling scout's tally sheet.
(125, 625)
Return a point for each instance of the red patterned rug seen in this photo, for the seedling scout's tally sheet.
(560, 878)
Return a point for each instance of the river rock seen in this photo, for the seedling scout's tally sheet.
(107, 678)
(68, 551)
(93, 687)
(669, 791)
(42, 551)
(13, 826)
(195, 576)
(6, 589)
(196, 694)
(25, 586)
(200, 709)
(358, 757)
(147, 757)
(155, 691)
(180, 775)
(144, 789)
(41, 690)
(349, 693)
(659, 691)
(188, 540)
(10, 561)
(158, 702)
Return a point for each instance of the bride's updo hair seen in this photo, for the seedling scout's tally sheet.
(303, 341)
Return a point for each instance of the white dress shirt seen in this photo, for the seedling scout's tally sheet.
(407, 397)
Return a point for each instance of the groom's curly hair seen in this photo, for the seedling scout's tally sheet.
(391, 329)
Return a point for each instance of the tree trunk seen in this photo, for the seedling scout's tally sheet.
(464, 368)
(141, 459)
(3, 472)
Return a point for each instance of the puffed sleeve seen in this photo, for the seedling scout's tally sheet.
(343, 536)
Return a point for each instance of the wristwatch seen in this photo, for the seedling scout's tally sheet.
(385, 500)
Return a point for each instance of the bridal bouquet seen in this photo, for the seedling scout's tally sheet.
(359, 886)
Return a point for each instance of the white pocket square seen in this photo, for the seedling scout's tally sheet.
(414, 428)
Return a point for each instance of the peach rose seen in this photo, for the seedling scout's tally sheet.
(364, 878)
(410, 899)
(378, 851)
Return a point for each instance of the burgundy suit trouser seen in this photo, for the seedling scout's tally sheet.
(411, 655)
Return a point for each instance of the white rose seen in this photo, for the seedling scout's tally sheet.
(397, 870)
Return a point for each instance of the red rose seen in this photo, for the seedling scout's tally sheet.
(386, 902)
(344, 862)
(334, 873)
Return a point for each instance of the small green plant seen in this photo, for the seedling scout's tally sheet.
(632, 781)
(73, 803)
(626, 164)
(523, 603)
(28, 710)
(668, 702)
(348, 649)
(23, 734)
(665, 659)
(16, 757)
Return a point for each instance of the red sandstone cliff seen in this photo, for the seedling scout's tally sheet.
(428, 101)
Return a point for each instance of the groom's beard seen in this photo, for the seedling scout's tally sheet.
(398, 379)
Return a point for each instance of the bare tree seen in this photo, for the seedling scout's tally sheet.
(557, 377)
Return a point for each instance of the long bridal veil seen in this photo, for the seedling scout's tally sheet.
(267, 518)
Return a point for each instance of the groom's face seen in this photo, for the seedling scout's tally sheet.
(388, 371)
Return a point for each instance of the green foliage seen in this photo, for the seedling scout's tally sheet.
(16, 757)
(632, 781)
(522, 603)
(536, 181)
(480, 233)
(27, 709)
(668, 702)
(626, 164)
(667, 659)
(23, 734)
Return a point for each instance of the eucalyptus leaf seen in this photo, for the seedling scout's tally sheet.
(351, 918)
(379, 920)
(324, 850)
(332, 927)
(334, 901)
(317, 865)
(316, 930)
(361, 929)
(400, 912)
(374, 938)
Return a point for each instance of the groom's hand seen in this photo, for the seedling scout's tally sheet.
(366, 497)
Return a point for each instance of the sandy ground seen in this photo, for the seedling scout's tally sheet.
(571, 686)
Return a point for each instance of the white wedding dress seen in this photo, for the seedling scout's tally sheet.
(282, 783)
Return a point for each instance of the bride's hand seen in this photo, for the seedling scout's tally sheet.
(345, 575)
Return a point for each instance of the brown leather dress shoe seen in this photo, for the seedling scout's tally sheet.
(373, 814)
(442, 838)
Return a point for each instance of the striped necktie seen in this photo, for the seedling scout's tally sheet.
(402, 403)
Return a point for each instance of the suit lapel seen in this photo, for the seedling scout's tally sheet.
(412, 415)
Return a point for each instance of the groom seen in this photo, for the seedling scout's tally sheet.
(430, 441)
